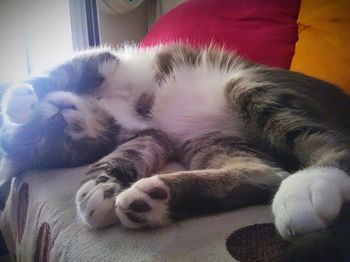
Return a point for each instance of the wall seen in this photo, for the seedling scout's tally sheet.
(12, 51)
(120, 28)
(35, 34)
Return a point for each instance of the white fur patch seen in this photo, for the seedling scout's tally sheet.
(156, 216)
(125, 83)
(93, 208)
(193, 104)
(124, 112)
(108, 68)
(308, 200)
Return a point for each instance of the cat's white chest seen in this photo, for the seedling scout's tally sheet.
(193, 104)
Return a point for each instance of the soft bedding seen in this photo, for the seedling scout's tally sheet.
(39, 223)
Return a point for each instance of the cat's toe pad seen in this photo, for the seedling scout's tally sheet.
(145, 203)
(308, 200)
(20, 103)
(95, 202)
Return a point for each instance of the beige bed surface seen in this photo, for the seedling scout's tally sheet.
(39, 223)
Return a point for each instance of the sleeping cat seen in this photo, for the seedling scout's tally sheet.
(239, 128)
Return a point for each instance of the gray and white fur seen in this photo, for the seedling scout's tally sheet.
(239, 128)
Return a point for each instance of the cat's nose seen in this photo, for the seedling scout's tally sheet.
(57, 121)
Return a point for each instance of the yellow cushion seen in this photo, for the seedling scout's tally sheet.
(323, 48)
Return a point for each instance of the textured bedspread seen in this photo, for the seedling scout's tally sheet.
(39, 223)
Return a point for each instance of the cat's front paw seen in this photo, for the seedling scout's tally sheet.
(309, 200)
(145, 203)
(95, 200)
(19, 103)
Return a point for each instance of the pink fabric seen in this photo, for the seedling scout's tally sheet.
(263, 31)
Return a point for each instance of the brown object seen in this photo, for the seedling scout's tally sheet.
(259, 242)
(23, 197)
(43, 244)
(4, 193)
(3, 248)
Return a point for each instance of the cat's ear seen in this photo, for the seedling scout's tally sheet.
(106, 56)
(96, 69)
(84, 72)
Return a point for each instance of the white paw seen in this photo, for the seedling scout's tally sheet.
(95, 201)
(19, 103)
(308, 200)
(145, 203)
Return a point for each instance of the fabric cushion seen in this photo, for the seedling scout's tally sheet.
(263, 31)
(324, 38)
(40, 223)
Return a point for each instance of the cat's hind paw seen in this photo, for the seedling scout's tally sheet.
(95, 201)
(144, 204)
(19, 103)
(309, 200)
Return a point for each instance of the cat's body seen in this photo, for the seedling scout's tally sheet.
(239, 129)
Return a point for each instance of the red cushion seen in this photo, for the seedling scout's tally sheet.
(263, 31)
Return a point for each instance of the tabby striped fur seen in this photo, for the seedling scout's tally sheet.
(239, 128)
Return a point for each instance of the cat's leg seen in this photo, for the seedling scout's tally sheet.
(294, 122)
(19, 103)
(311, 198)
(135, 159)
(226, 174)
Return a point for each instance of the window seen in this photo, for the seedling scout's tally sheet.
(37, 34)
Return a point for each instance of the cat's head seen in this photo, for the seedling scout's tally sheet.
(51, 128)
(68, 129)
(65, 130)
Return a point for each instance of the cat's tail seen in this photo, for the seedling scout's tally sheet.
(331, 244)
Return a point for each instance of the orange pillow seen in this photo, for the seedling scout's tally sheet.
(323, 48)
